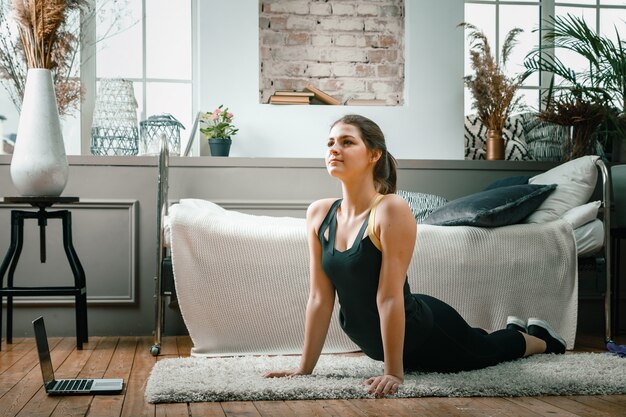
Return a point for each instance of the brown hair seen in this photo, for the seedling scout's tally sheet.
(385, 169)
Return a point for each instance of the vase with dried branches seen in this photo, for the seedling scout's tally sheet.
(494, 93)
(14, 64)
(110, 16)
(39, 165)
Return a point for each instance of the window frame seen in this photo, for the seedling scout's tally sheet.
(547, 8)
(89, 79)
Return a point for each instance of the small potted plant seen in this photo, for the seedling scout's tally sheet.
(217, 127)
(494, 94)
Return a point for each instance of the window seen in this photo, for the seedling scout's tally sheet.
(155, 53)
(147, 42)
(497, 17)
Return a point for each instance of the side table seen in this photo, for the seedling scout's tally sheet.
(617, 235)
(79, 290)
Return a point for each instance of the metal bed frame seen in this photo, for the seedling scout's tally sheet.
(161, 289)
(607, 205)
(164, 286)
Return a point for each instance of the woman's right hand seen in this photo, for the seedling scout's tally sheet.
(283, 374)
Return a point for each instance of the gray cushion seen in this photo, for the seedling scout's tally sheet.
(422, 204)
(496, 207)
(508, 181)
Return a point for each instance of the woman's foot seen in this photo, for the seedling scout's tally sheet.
(515, 323)
(542, 330)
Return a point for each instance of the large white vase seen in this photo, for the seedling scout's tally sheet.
(39, 166)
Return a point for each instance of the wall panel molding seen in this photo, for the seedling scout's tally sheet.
(111, 279)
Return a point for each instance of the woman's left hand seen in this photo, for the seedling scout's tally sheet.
(381, 386)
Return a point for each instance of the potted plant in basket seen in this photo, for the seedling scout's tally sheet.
(494, 93)
(217, 127)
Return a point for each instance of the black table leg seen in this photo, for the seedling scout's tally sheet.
(9, 264)
(19, 242)
(11, 253)
(79, 280)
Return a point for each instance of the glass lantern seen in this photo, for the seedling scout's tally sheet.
(114, 127)
(151, 130)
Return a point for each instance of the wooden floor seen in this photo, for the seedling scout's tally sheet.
(22, 394)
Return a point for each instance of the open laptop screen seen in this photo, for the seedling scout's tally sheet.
(43, 350)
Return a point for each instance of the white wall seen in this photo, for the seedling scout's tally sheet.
(428, 126)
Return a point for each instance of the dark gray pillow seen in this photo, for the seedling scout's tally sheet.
(508, 181)
(422, 204)
(496, 207)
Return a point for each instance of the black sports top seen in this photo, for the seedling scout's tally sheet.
(355, 274)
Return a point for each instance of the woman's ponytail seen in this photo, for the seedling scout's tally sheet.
(385, 173)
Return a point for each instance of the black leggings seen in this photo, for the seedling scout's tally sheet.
(453, 345)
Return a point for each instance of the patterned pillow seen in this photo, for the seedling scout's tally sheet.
(544, 139)
(513, 135)
(422, 204)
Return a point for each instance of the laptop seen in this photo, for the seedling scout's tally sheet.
(53, 386)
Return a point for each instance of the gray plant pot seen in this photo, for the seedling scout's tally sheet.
(220, 147)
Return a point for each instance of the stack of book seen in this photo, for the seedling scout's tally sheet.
(310, 93)
(291, 97)
(365, 102)
(321, 96)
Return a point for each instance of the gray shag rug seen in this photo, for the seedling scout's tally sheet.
(338, 377)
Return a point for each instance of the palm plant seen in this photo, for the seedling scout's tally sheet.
(603, 83)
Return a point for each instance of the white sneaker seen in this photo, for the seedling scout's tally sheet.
(515, 323)
(541, 329)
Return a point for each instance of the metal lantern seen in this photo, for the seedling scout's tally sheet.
(151, 130)
(114, 128)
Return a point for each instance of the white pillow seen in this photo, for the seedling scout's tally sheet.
(576, 181)
(581, 215)
(589, 238)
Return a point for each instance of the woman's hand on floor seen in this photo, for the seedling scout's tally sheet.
(283, 374)
(381, 386)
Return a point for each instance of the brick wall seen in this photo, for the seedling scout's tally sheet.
(347, 48)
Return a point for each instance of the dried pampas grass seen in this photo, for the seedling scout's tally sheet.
(494, 93)
(39, 23)
(47, 36)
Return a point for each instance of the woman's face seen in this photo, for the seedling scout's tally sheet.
(346, 154)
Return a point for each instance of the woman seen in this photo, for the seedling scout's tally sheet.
(360, 248)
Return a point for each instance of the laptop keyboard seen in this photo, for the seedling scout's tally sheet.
(73, 385)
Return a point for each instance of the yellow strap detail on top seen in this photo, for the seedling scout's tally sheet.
(370, 224)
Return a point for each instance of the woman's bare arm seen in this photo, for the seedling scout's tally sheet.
(321, 296)
(396, 227)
